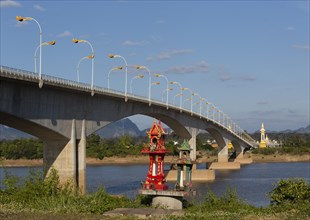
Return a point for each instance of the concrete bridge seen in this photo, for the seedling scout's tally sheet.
(62, 113)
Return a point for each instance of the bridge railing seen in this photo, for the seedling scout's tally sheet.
(228, 125)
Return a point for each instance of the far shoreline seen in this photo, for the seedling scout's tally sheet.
(135, 160)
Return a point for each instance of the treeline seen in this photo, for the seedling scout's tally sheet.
(21, 148)
(128, 145)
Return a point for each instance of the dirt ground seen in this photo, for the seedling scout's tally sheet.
(168, 159)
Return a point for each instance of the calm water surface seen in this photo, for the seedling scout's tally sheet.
(252, 181)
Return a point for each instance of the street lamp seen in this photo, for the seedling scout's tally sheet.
(162, 96)
(196, 94)
(181, 92)
(136, 77)
(167, 89)
(113, 69)
(190, 99)
(126, 66)
(35, 53)
(147, 69)
(209, 110)
(21, 19)
(78, 66)
(74, 40)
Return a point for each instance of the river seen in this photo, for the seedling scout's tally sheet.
(252, 181)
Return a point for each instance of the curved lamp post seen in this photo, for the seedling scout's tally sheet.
(113, 69)
(78, 66)
(147, 69)
(126, 66)
(209, 110)
(167, 89)
(190, 99)
(21, 19)
(181, 92)
(74, 40)
(136, 77)
(196, 94)
(35, 52)
(162, 95)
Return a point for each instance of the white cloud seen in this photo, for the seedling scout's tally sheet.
(225, 77)
(301, 47)
(290, 28)
(247, 78)
(9, 3)
(200, 67)
(169, 54)
(65, 34)
(133, 43)
(39, 8)
(263, 102)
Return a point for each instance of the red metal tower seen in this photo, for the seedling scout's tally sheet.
(156, 149)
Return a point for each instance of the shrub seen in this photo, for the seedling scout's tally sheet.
(290, 191)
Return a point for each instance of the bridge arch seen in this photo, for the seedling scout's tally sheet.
(174, 124)
(32, 128)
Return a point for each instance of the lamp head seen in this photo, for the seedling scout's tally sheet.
(21, 19)
(52, 42)
(74, 40)
(118, 68)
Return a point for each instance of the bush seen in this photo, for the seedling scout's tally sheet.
(290, 191)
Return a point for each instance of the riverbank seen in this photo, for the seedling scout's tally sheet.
(257, 158)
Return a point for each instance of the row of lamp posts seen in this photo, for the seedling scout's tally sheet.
(230, 124)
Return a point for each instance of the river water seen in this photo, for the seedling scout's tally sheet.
(252, 182)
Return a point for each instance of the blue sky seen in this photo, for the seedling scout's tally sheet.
(251, 59)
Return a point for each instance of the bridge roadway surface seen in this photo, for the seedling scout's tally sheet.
(62, 113)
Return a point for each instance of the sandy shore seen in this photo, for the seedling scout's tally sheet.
(168, 159)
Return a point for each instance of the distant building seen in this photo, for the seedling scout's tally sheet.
(264, 140)
(262, 143)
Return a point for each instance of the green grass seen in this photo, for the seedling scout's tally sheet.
(36, 198)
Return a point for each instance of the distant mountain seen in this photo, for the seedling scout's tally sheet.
(305, 130)
(123, 127)
(8, 133)
(116, 129)
(120, 128)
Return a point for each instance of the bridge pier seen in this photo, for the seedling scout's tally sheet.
(67, 158)
(241, 159)
(222, 162)
(192, 143)
(81, 170)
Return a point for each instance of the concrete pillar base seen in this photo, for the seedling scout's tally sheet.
(167, 202)
(244, 160)
(224, 166)
(197, 175)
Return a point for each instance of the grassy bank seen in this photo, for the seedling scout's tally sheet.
(257, 158)
(39, 199)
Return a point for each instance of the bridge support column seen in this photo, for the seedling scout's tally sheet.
(192, 142)
(81, 180)
(240, 157)
(223, 163)
(223, 151)
(68, 158)
(62, 157)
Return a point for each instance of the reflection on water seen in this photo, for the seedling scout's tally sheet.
(252, 181)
